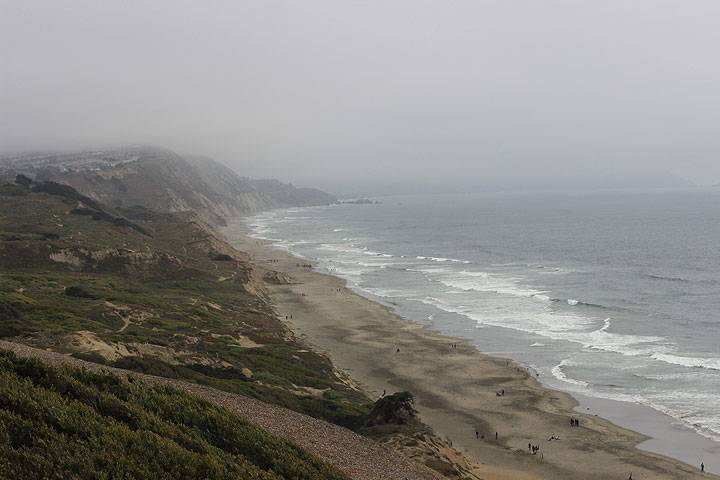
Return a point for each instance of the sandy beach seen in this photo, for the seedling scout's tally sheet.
(458, 390)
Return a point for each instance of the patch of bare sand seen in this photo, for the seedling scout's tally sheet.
(240, 341)
(87, 342)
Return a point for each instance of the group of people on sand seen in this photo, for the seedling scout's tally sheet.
(574, 422)
(533, 448)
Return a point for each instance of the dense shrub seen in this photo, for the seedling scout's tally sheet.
(220, 257)
(79, 292)
(10, 320)
(12, 190)
(68, 423)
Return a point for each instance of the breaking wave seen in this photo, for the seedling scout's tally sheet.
(558, 373)
(693, 362)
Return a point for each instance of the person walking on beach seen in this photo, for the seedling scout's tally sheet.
(702, 467)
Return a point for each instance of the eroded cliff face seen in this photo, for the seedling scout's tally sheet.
(163, 181)
(111, 259)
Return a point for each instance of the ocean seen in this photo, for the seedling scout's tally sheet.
(614, 295)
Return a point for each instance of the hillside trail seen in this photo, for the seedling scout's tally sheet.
(358, 457)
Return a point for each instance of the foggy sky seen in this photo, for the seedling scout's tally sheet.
(343, 93)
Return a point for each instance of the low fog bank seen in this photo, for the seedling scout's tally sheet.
(376, 96)
(591, 182)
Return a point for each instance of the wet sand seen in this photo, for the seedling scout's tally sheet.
(455, 388)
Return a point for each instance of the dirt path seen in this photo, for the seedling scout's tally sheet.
(357, 456)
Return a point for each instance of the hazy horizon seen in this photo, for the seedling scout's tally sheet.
(364, 95)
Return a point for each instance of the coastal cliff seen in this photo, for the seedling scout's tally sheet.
(161, 293)
(161, 180)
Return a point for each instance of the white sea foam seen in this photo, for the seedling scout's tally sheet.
(693, 362)
(429, 270)
(340, 248)
(558, 373)
(572, 302)
(606, 325)
(538, 318)
(683, 406)
(475, 274)
(571, 328)
(442, 259)
(376, 254)
(378, 264)
(484, 282)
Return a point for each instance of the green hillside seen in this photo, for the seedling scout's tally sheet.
(155, 293)
(72, 424)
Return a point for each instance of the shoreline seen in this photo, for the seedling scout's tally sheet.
(664, 435)
(455, 388)
(657, 426)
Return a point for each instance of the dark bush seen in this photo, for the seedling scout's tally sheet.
(220, 257)
(395, 409)
(65, 191)
(103, 216)
(79, 292)
(12, 190)
(10, 320)
(23, 181)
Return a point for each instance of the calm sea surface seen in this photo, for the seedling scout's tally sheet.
(613, 295)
